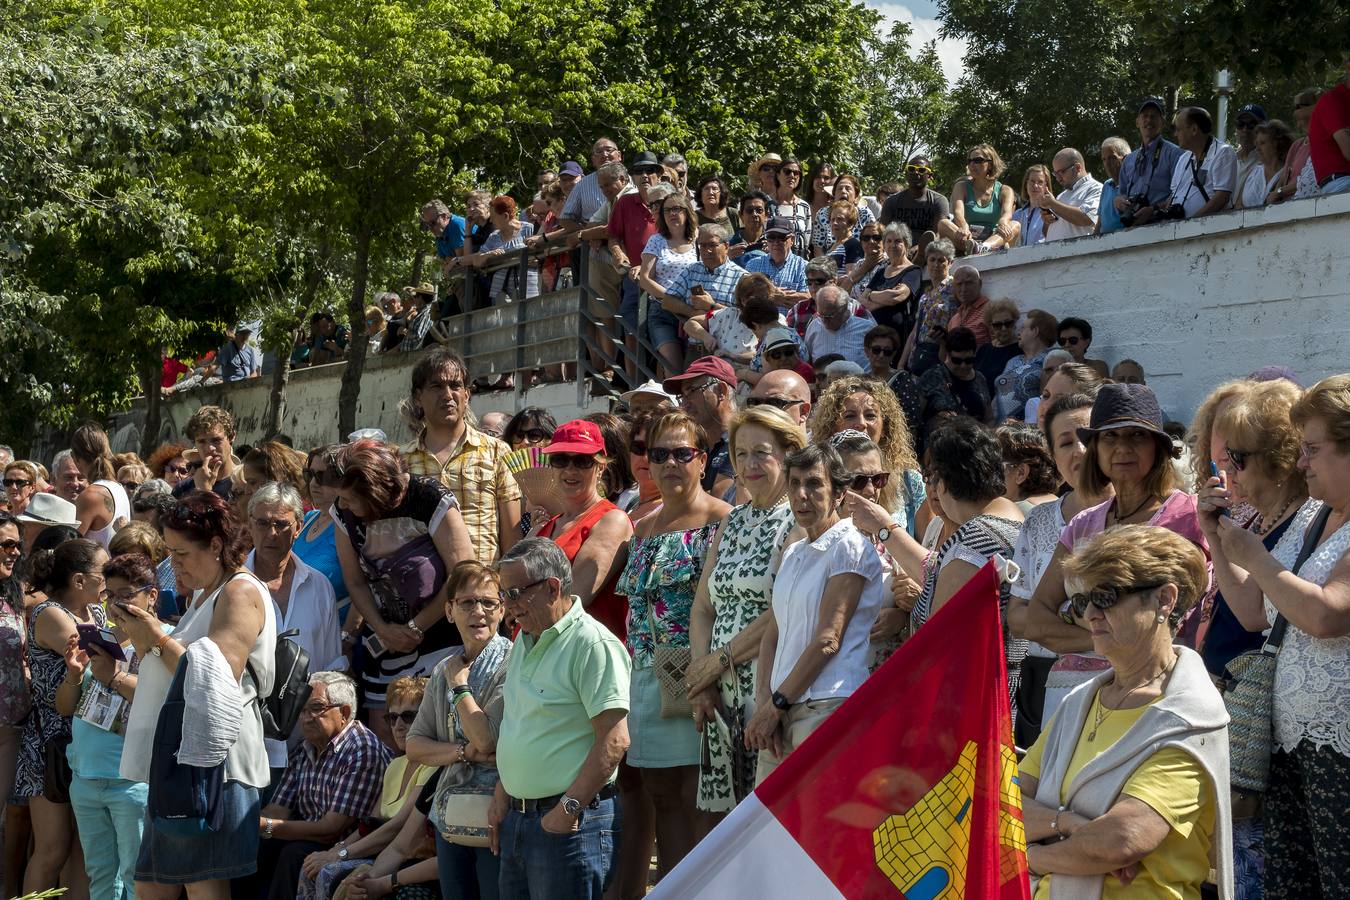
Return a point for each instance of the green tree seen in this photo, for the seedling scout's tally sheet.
(904, 108)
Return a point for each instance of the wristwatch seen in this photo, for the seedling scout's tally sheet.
(571, 806)
(1066, 612)
(267, 829)
(158, 649)
(781, 702)
(413, 626)
(884, 532)
(342, 853)
(724, 657)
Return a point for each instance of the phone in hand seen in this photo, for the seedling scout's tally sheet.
(103, 638)
(374, 646)
(1214, 470)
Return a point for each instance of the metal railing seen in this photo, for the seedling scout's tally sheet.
(518, 335)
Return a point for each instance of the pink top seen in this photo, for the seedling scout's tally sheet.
(1295, 161)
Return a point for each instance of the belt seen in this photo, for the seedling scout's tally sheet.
(544, 804)
(1332, 177)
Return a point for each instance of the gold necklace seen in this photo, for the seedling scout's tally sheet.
(1102, 713)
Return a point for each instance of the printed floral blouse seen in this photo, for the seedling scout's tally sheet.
(659, 581)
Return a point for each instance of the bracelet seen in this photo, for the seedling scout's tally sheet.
(459, 692)
(1054, 824)
(112, 682)
(725, 656)
(462, 758)
(413, 625)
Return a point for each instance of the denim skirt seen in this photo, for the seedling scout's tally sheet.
(654, 742)
(175, 852)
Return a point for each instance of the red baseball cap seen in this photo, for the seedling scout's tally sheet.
(577, 436)
(711, 366)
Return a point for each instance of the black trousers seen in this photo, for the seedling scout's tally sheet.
(1031, 700)
(279, 865)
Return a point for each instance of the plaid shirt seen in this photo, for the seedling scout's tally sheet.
(720, 283)
(790, 276)
(345, 777)
(476, 474)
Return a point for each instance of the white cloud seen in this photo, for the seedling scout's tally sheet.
(951, 53)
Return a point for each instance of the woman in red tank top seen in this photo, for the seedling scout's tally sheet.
(592, 531)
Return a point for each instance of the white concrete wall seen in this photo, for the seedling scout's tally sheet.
(1196, 302)
(1203, 301)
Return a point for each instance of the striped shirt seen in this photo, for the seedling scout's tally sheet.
(584, 200)
(790, 276)
(345, 777)
(476, 473)
(720, 283)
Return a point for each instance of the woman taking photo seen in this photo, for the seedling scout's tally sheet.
(97, 693)
(71, 577)
(982, 206)
(232, 608)
(1127, 451)
(936, 308)
(730, 607)
(399, 535)
(591, 531)
(668, 253)
(1043, 683)
(665, 562)
(1126, 794)
(1309, 786)
(826, 595)
(316, 542)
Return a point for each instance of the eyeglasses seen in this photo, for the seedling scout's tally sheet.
(870, 237)
(511, 595)
(977, 161)
(9, 545)
(962, 360)
(782, 353)
(709, 245)
(466, 604)
(108, 596)
(407, 717)
(776, 238)
(881, 350)
(1066, 171)
(314, 710)
(1003, 323)
(638, 448)
(688, 393)
(879, 481)
(12, 483)
(682, 455)
(278, 525)
(1238, 458)
(1310, 449)
(919, 170)
(325, 477)
(128, 486)
(818, 282)
(571, 461)
(1070, 341)
(783, 403)
(1107, 597)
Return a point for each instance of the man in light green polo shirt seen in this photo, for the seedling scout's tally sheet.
(564, 730)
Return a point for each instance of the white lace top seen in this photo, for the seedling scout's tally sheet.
(1312, 675)
(1034, 549)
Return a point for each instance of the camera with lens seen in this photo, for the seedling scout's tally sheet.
(1128, 217)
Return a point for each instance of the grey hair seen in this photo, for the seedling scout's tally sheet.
(900, 230)
(384, 297)
(540, 558)
(485, 197)
(712, 229)
(658, 192)
(978, 277)
(832, 293)
(674, 159)
(436, 207)
(6, 451)
(823, 265)
(281, 493)
(60, 458)
(1119, 144)
(341, 688)
(612, 170)
(943, 246)
(1057, 357)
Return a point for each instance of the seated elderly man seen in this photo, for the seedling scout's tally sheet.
(835, 329)
(784, 268)
(565, 727)
(709, 283)
(333, 779)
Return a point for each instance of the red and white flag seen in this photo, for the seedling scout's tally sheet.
(907, 792)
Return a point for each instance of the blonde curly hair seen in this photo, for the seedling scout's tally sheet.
(897, 444)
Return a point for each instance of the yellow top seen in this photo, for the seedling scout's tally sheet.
(1172, 783)
(393, 793)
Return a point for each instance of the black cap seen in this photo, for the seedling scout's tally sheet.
(779, 225)
(1153, 101)
(645, 161)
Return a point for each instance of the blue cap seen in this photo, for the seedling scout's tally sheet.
(570, 168)
(1253, 109)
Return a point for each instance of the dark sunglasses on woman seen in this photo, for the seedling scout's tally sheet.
(571, 460)
(407, 717)
(879, 481)
(682, 455)
(1106, 597)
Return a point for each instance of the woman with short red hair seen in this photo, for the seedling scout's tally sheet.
(398, 535)
(509, 236)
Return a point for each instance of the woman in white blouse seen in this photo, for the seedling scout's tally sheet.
(1309, 787)
(828, 591)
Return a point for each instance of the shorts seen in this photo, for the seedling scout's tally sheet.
(663, 326)
(658, 743)
(628, 307)
(170, 857)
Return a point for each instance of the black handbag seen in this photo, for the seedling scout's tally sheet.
(56, 773)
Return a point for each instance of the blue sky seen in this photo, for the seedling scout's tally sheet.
(922, 14)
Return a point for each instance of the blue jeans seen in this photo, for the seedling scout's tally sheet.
(110, 813)
(1335, 186)
(628, 306)
(537, 865)
(466, 873)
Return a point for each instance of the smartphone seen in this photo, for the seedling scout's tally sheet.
(374, 646)
(103, 638)
(1214, 470)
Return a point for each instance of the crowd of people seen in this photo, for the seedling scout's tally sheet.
(520, 658)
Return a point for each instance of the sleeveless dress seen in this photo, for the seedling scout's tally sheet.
(740, 587)
(607, 607)
(983, 216)
(319, 551)
(976, 542)
(121, 513)
(44, 724)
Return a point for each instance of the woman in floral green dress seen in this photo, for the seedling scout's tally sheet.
(728, 615)
(665, 565)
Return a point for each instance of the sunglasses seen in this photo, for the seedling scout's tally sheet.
(571, 461)
(783, 403)
(776, 238)
(1003, 323)
(278, 525)
(325, 477)
(879, 481)
(881, 350)
(181, 469)
(871, 237)
(919, 170)
(407, 717)
(962, 360)
(1107, 597)
(1070, 341)
(466, 604)
(818, 282)
(682, 455)
(785, 353)
(19, 483)
(1238, 458)
(316, 710)
(128, 486)
(791, 173)
(10, 545)
(194, 465)
(638, 448)
(976, 161)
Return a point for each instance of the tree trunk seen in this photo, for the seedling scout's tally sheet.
(418, 259)
(281, 376)
(150, 374)
(350, 392)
